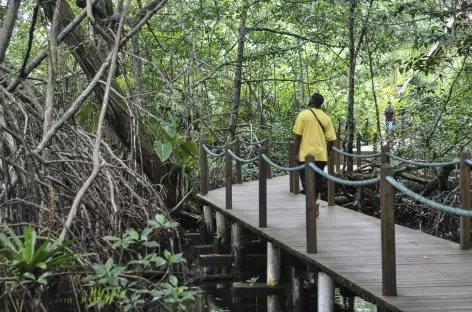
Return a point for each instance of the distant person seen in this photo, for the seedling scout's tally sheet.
(390, 118)
(314, 134)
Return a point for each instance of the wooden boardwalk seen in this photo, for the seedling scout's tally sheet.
(432, 274)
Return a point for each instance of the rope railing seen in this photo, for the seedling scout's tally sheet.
(355, 155)
(428, 202)
(388, 186)
(286, 169)
(423, 164)
(343, 181)
(242, 160)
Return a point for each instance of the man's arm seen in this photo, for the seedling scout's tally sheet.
(296, 146)
(329, 147)
(298, 133)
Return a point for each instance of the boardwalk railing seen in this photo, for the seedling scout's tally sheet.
(388, 185)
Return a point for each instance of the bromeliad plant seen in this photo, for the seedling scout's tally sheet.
(20, 257)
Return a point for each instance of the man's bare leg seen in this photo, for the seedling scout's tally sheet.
(317, 210)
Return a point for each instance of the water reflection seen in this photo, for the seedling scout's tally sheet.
(219, 299)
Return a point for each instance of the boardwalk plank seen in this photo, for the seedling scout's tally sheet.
(349, 249)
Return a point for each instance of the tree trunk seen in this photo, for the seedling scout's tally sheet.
(90, 60)
(379, 133)
(233, 119)
(352, 68)
(7, 30)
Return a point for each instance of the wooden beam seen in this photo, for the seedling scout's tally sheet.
(262, 189)
(237, 151)
(310, 205)
(229, 178)
(465, 241)
(387, 221)
(257, 289)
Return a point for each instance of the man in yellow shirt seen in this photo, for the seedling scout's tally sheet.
(314, 134)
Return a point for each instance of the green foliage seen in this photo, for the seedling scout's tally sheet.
(172, 142)
(109, 283)
(21, 258)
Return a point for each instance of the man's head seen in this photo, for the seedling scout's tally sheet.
(389, 104)
(316, 100)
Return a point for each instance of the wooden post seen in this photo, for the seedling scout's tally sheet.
(269, 168)
(359, 150)
(221, 228)
(203, 169)
(262, 190)
(273, 264)
(236, 248)
(273, 275)
(337, 144)
(331, 186)
(291, 163)
(385, 158)
(237, 151)
(229, 178)
(208, 219)
(387, 221)
(310, 205)
(297, 291)
(296, 174)
(465, 242)
(325, 293)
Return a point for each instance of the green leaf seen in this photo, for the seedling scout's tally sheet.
(167, 255)
(111, 238)
(151, 244)
(29, 276)
(169, 128)
(161, 219)
(173, 280)
(190, 148)
(41, 265)
(30, 243)
(145, 233)
(176, 258)
(159, 262)
(163, 150)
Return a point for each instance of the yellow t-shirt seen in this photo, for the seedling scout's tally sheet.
(313, 140)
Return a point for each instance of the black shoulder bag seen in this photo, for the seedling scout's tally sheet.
(318, 121)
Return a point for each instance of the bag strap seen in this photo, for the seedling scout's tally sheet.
(318, 120)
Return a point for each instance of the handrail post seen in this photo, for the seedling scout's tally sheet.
(269, 168)
(310, 191)
(465, 240)
(262, 190)
(237, 151)
(331, 186)
(296, 174)
(387, 223)
(291, 163)
(337, 144)
(359, 150)
(385, 158)
(203, 169)
(229, 177)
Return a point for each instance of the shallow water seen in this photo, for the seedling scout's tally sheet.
(219, 298)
